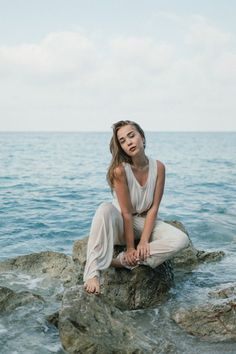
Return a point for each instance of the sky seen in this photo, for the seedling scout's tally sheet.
(72, 65)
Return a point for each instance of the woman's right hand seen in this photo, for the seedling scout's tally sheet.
(131, 256)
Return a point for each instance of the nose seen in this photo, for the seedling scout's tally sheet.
(129, 142)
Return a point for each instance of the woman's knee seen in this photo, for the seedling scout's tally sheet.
(105, 209)
(182, 241)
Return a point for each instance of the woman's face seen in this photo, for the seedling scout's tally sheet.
(130, 140)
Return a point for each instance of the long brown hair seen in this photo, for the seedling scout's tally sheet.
(118, 154)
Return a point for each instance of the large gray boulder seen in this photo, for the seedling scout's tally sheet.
(90, 324)
(141, 288)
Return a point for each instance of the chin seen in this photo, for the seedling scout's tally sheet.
(134, 153)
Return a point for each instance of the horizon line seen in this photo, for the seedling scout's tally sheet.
(108, 131)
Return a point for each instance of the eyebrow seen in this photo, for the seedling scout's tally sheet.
(131, 131)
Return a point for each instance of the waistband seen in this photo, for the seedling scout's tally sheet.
(144, 213)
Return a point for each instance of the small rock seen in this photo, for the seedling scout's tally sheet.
(53, 319)
(224, 293)
(10, 300)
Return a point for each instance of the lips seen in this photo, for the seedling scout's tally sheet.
(132, 148)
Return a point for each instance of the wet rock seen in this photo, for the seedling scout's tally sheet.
(214, 322)
(90, 324)
(53, 319)
(79, 256)
(10, 300)
(226, 292)
(54, 264)
(143, 287)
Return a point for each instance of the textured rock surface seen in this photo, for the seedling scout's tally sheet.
(225, 292)
(90, 324)
(215, 322)
(10, 300)
(54, 264)
(143, 287)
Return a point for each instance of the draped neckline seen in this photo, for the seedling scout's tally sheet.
(145, 184)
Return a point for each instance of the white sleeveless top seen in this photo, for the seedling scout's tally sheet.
(141, 196)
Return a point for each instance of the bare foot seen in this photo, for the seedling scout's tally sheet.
(92, 286)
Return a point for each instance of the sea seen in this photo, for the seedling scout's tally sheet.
(50, 186)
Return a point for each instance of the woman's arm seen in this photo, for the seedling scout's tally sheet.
(143, 246)
(123, 196)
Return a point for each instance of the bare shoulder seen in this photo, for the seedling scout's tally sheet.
(160, 166)
(119, 172)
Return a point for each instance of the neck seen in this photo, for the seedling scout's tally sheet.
(140, 161)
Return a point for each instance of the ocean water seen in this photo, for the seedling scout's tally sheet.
(50, 187)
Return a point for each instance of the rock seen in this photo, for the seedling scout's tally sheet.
(224, 293)
(53, 319)
(214, 322)
(143, 287)
(79, 251)
(90, 324)
(79, 256)
(10, 300)
(54, 264)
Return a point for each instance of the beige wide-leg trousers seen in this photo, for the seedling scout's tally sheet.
(107, 230)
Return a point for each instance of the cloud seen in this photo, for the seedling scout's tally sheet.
(69, 75)
(202, 34)
(57, 54)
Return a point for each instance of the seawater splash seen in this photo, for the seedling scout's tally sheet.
(25, 330)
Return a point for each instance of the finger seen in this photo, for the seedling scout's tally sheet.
(133, 261)
(128, 260)
(142, 255)
(147, 253)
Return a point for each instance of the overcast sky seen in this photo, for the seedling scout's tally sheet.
(72, 65)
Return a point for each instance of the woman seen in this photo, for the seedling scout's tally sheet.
(137, 182)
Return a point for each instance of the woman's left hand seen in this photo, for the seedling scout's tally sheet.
(143, 250)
